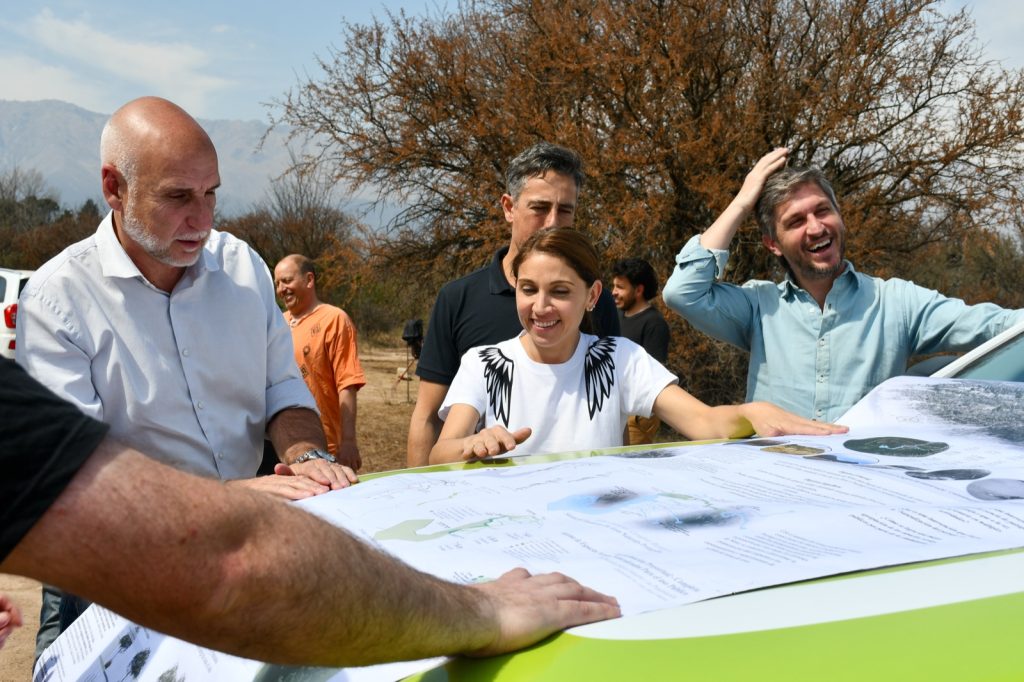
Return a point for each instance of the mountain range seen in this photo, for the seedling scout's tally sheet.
(61, 141)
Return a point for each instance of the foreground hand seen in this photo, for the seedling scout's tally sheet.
(492, 441)
(286, 486)
(526, 608)
(10, 618)
(771, 420)
(334, 476)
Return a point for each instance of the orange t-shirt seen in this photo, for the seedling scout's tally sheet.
(325, 350)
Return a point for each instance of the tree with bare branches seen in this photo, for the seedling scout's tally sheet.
(670, 103)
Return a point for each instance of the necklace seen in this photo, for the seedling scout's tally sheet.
(295, 320)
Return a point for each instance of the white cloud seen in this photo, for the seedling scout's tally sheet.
(29, 79)
(176, 70)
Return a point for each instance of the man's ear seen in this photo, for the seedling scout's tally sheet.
(507, 202)
(771, 245)
(114, 187)
(638, 290)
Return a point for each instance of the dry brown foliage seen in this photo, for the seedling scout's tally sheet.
(670, 103)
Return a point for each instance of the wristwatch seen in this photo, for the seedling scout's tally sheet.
(315, 453)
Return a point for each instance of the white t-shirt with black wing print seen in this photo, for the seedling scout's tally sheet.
(576, 405)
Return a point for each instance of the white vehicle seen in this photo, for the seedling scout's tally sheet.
(11, 284)
(1001, 358)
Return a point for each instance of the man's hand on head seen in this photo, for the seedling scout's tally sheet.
(753, 184)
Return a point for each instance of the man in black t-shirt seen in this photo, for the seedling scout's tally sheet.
(634, 284)
(542, 186)
(232, 569)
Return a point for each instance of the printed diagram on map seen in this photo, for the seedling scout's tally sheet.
(981, 416)
(905, 487)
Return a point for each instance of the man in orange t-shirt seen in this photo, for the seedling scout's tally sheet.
(325, 350)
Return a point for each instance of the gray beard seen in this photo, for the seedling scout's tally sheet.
(150, 244)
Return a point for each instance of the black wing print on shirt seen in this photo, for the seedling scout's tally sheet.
(498, 371)
(599, 373)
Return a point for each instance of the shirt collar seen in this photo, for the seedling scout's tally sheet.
(116, 262)
(496, 273)
(788, 287)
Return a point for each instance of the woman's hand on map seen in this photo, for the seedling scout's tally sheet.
(771, 420)
(492, 441)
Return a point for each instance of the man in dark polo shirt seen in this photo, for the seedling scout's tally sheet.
(232, 569)
(542, 186)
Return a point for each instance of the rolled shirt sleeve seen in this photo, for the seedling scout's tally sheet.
(722, 310)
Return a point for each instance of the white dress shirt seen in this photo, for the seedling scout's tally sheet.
(191, 377)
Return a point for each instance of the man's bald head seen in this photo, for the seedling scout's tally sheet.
(146, 129)
(304, 264)
(160, 177)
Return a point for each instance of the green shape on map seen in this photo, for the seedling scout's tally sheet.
(409, 530)
(893, 446)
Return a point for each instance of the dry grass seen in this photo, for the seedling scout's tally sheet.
(385, 405)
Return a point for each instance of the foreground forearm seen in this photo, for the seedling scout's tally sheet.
(257, 578)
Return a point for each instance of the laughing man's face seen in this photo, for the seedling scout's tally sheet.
(809, 234)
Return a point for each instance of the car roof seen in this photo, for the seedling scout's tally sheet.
(954, 368)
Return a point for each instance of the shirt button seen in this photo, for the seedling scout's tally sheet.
(185, 352)
(220, 455)
(199, 404)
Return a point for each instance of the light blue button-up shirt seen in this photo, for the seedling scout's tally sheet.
(819, 362)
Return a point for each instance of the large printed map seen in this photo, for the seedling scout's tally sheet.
(916, 478)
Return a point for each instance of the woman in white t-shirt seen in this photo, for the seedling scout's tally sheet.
(556, 388)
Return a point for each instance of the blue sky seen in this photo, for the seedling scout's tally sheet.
(224, 58)
(216, 58)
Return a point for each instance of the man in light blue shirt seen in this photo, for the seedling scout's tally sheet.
(827, 334)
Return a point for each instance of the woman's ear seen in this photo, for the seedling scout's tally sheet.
(594, 294)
